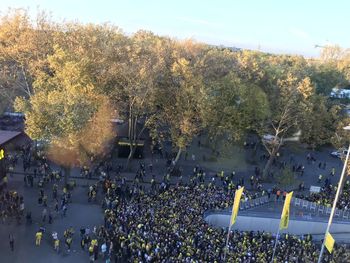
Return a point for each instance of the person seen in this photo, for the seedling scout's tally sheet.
(12, 242)
(333, 171)
(44, 214)
(320, 178)
(57, 244)
(56, 241)
(50, 217)
(104, 249)
(54, 191)
(69, 242)
(38, 237)
(29, 217)
(82, 243)
(5, 181)
(278, 194)
(64, 210)
(91, 253)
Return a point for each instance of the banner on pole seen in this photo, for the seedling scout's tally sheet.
(329, 242)
(285, 212)
(238, 195)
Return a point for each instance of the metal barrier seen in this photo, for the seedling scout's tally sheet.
(313, 206)
(305, 204)
(253, 202)
(337, 212)
(257, 202)
(321, 209)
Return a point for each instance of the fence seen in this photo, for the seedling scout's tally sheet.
(320, 209)
(254, 202)
(301, 203)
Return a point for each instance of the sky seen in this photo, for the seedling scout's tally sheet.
(277, 26)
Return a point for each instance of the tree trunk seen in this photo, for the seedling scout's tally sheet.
(271, 158)
(177, 156)
(67, 171)
(131, 154)
(268, 165)
(131, 141)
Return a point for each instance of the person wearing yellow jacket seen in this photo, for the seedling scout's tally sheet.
(38, 237)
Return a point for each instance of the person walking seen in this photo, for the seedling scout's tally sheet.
(12, 242)
(56, 243)
(38, 237)
(104, 250)
(320, 178)
(69, 242)
(43, 215)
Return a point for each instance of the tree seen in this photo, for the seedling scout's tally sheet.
(180, 108)
(231, 107)
(138, 91)
(24, 47)
(339, 58)
(318, 121)
(66, 111)
(285, 118)
(326, 76)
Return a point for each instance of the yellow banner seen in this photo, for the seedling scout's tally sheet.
(285, 212)
(329, 242)
(2, 154)
(236, 203)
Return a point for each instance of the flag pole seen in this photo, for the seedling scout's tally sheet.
(274, 249)
(284, 221)
(235, 208)
(338, 193)
(227, 238)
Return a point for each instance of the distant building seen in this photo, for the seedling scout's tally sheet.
(338, 93)
(13, 140)
(122, 130)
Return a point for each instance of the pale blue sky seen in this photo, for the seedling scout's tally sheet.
(279, 26)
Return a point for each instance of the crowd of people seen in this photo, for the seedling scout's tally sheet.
(11, 206)
(326, 196)
(169, 226)
(165, 222)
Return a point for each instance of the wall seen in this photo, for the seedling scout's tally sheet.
(339, 230)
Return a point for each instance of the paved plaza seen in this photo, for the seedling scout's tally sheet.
(81, 213)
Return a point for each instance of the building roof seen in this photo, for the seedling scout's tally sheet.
(6, 136)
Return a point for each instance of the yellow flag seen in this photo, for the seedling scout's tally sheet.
(285, 212)
(236, 203)
(329, 242)
(2, 154)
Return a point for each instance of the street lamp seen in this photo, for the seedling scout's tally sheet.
(340, 185)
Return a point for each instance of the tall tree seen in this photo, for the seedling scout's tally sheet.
(66, 111)
(231, 107)
(24, 47)
(286, 114)
(139, 77)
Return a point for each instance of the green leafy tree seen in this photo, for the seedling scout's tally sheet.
(231, 107)
(66, 111)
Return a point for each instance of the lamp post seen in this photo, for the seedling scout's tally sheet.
(340, 185)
